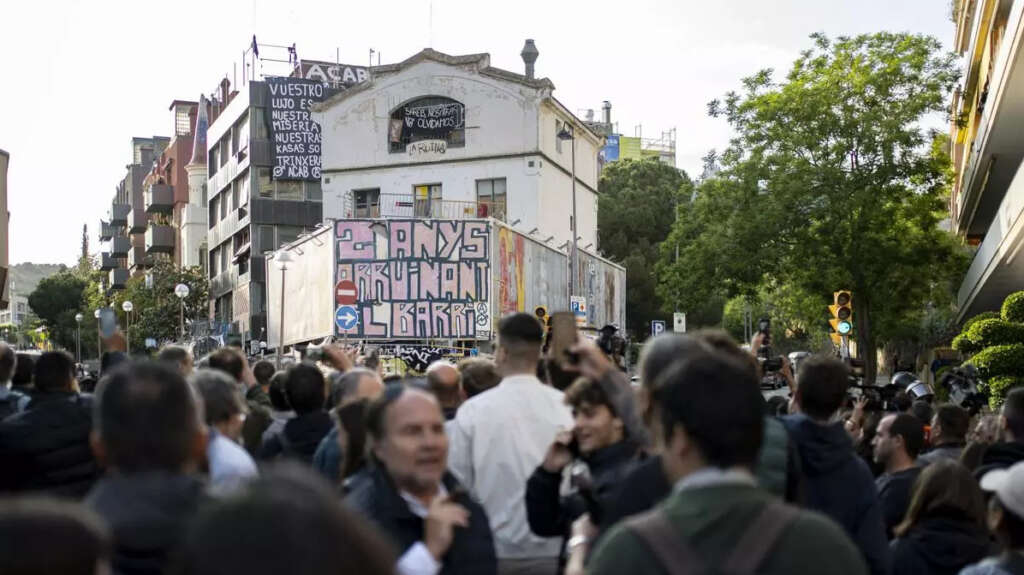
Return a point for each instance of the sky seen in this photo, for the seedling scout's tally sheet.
(82, 78)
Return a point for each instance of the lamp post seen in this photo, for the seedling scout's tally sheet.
(182, 291)
(127, 307)
(78, 337)
(568, 132)
(99, 338)
(282, 259)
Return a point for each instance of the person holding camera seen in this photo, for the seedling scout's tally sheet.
(600, 454)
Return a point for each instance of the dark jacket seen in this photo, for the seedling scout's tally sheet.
(46, 447)
(712, 520)
(839, 484)
(472, 549)
(894, 491)
(778, 472)
(939, 546)
(299, 438)
(147, 514)
(551, 515)
(328, 457)
(257, 421)
(999, 456)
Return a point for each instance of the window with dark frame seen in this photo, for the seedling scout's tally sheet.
(427, 118)
(366, 203)
(492, 199)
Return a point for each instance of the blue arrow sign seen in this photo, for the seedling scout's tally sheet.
(346, 317)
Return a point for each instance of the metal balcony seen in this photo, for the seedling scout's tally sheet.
(120, 246)
(107, 231)
(117, 278)
(160, 239)
(137, 220)
(407, 206)
(138, 259)
(159, 199)
(108, 262)
(118, 215)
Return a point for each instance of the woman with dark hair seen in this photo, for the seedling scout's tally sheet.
(944, 529)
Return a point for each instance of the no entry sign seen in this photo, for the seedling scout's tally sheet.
(345, 292)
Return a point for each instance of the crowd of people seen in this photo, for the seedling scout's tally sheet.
(518, 464)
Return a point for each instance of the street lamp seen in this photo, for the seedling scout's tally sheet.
(282, 259)
(127, 307)
(78, 338)
(182, 291)
(568, 132)
(99, 338)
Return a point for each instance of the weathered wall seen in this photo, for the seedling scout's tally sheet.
(527, 274)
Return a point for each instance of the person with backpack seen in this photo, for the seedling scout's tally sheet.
(717, 520)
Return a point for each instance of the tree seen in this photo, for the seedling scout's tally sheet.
(56, 300)
(156, 310)
(828, 184)
(636, 207)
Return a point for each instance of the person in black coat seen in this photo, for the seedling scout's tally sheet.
(152, 438)
(944, 530)
(306, 391)
(409, 494)
(599, 442)
(46, 447)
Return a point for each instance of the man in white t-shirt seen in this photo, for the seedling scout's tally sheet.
(501, 435)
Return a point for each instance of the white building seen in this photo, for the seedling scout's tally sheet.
(17, 311)
(451, 137)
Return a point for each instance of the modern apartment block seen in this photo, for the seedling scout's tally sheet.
(125, 229)
(987, 149)
(249, 212)
(166, 193)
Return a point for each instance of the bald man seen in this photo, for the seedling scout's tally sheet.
(445, 382)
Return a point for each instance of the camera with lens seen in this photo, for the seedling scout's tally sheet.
(962, 385)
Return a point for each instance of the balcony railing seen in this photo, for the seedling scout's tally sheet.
(117, 278)
(108, 262)
(118, 215)
(120, 246)
(107, 231)
(407, 206)
(159, 199)
(159, 239)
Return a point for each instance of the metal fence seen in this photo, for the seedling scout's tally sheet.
(408, 206)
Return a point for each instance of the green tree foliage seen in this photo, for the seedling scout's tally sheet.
(56, 301)
(829, 183)
(797, 324)
(1013, 308)
(636, 208)
(156, 310)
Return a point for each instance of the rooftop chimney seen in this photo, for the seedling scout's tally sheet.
(606, 112)
(529, 55)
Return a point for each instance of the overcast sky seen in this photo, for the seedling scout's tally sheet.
(82, 78)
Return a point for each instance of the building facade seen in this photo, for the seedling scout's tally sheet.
(126, 228)
(987, 149)
(17, 311)
(5, 219)
(451, 137)
(249, 213)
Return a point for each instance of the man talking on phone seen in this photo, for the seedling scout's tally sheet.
(499, 437)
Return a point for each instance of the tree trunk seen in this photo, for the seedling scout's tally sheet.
(865, 337)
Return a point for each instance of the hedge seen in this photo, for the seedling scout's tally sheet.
(1013, 307)
(998, 387)
(979, 317)
(989, 332)
(1000, 360)
(964, 345)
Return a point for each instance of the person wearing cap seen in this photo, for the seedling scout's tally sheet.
(1006, 520)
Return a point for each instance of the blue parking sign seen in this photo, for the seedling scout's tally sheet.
(657, 327)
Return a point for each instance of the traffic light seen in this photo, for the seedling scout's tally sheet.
(842, 315)
(542, 314)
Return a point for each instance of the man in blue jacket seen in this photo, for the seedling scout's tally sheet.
(837, 482)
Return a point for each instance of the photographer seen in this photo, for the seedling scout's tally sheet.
(598, 440)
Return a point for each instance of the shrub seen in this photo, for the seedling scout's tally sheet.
(1000, 360)
(979, 317)
(1013, 307)
(964, 345)
(998, 387)
(989, 332)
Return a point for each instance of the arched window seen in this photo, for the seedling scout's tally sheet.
(427, 118)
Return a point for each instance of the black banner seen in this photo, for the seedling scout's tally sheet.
(433, 120)
(295, 135)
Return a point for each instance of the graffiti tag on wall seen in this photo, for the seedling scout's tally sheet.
(416, 279)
